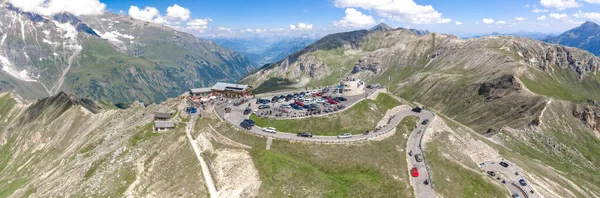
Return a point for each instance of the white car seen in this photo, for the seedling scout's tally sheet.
(314, 92)
(269, 130)
(481, 165)
(320, 100)
(345, 135)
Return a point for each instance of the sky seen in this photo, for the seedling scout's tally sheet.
(243, 18)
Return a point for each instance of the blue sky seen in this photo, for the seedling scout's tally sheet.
(234, 18)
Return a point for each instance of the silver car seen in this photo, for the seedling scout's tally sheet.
(345, 135)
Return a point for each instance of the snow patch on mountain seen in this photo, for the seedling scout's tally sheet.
(9, 69)
(113, 38)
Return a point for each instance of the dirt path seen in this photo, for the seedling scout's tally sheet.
(210, 184)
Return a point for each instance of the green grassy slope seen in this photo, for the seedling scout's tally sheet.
(374, 169)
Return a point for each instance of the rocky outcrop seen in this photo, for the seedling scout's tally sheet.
(369, 62)
(590, 116)
(499, 87)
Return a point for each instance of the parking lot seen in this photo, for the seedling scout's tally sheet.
(301, 104)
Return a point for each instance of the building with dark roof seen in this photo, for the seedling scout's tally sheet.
(161, 116)
(222, 89)
(163, 125)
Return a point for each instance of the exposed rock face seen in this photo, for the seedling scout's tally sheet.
(588, 115)
(544, 56)
(499, 87)
(369, 62)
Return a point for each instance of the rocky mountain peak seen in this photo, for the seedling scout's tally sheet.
(381, 27)
(589, 24)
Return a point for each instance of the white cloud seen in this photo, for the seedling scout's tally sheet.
(593, 1)
(147, 14)
(487, 21)
(558, 16)
(354, 18)
(520, 19)
(177, 12)
(560, 4)
(224, 29)
(536, 10)
(199, 22)
(292, 27)
(541, 18)
(276, 29)
(49, 7)
(458, 22)
(399, 10)
(595, 16)
(304, 26)
(249, 30)
(501, 22)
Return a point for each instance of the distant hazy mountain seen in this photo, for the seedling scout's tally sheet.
(531, 35)
(263, 50)
(586, 37)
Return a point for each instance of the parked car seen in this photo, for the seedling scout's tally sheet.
(325, 90)
(264, 106)
(247, 111)
(414, 172)
(304, 134)
(299, 103)
(419, 157)
(297, 107)
(249, 121)
(285, 106)
(320, 100)
(269, 130)
(345, 135)
(504, 164)
(417, 109)
(341, 98)
(331, 101)
(522, 182)
(425, 122)
(275, 99)
(491, 173)
(516, 195)
(247, 124)
(481, 165)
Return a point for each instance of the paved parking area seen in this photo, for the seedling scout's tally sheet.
(282, 109)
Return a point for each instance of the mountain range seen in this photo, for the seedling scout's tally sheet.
(533, 98)
(586, 36)
(107, 57)
(263, 50)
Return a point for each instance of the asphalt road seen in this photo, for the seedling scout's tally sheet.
(413, 146)
(508, 175)
(235, 117)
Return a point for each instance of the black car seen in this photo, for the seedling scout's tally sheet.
(522, 182)
(246, 124)
(340, 99)
(417, 110)
(249, 121)
(274, 99)
(247, 111)
(264, 106)
(425, 122)
(304, 134)
(491, 173)
(503, 164)
(325, 90)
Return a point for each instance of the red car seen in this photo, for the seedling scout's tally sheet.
(317, 94)
(299, 103)
(331, 101)
(414, 172)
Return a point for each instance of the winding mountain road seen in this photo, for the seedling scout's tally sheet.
(511, 179)
(236, 116)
